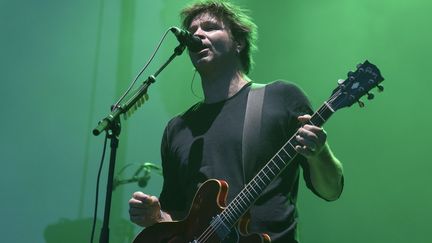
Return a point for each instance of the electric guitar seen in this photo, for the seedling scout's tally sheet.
(211, 220)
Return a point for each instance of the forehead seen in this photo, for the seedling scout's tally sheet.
(206, 17)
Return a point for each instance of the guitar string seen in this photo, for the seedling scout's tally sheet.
(218, 223)
(249, 185)
(236, 199)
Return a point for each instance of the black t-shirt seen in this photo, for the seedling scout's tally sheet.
(205, 142)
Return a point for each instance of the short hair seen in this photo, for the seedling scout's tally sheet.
(241, 26)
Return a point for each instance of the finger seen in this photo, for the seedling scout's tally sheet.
(145, 198)
(153, 200)
(307, 134)
(312, 128)
(313, 132)
(309, 139)
(144, 201)
(140, 195)
(306, 144)
(134, 202)
(303, 150)
(304, 118)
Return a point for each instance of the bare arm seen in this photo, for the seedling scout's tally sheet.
(325, 169)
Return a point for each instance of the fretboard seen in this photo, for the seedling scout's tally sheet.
(252, 191)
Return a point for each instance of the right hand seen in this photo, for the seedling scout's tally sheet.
(144, 210)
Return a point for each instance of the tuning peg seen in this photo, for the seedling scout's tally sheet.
(340, 81)
(380, 88)
(370, 96)
(361, 104)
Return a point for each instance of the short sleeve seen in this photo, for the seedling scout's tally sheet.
(171, 197)
(299, 104)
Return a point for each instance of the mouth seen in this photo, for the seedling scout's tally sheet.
(203, 52)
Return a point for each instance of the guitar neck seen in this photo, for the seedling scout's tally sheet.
(251, 192)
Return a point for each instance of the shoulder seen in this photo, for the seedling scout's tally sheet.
(179, 120)
(288, 94)
(288, 91)
(284, 87)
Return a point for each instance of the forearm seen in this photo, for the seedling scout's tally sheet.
(326, 174)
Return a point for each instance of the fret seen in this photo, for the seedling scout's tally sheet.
(284, 155)
(261, 175)
(254, 183)
(287, 153)
(265, 174)
(233, 209)
(263, 182)
(269, 169)
(323, 114)
(245, 198)
(274, 165)
(228, 217)
(241, 201)
(311, 122)
(249, 196)
(290, 148)
(322, 118)
(326, 104)
(268, 173)
(256, 193)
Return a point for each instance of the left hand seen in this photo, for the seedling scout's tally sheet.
(311, 138)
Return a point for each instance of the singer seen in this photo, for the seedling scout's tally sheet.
(206, 141)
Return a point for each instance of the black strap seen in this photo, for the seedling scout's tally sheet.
(252, 129)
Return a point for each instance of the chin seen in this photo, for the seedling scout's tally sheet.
(202, 62)
(204, 66)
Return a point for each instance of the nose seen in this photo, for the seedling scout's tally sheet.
(199, 33)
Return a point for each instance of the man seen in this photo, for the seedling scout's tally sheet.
(206, 141)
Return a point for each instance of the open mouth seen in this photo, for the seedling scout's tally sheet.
(203, 52)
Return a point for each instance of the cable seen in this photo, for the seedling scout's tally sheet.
(191, 86)
(106, 137)
(97, 188)
(142, 70)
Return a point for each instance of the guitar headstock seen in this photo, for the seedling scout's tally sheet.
(359, 83)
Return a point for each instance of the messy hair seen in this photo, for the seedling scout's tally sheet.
(241, 26)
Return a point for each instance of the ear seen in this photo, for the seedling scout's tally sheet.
(240, 45)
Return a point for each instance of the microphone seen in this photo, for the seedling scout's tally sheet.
(192, 42)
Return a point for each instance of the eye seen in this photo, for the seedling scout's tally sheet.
(192, 29)
(210, 26)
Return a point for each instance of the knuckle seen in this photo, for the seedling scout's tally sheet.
(137, 194)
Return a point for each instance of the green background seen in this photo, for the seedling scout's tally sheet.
(63, 63)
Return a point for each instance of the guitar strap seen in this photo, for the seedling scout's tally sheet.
(252, 129)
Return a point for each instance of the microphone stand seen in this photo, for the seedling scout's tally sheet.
(111, 124)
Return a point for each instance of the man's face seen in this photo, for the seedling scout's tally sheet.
(216, 36)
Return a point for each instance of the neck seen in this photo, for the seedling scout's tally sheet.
(219, 86)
